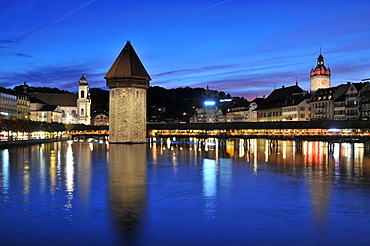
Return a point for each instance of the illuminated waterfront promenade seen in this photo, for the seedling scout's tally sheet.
(344, 131)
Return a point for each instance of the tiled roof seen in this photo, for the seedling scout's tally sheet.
(48, 108)
(340, 91)
(127, 65)
(337, 93)
(358, 86)
(61, 99)
(297, 99)
(280, 97)
(36, 100)
(284, 93)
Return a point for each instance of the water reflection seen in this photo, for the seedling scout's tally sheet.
(5, 173)
(128, 186)
(209, 185)
(69, 170)
(320, 163)
(48, 168)
(347, 159)
(180, 191)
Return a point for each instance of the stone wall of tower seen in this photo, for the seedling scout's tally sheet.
(127, 115)
(319, 81)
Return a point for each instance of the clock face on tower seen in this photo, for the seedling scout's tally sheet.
(324, 82)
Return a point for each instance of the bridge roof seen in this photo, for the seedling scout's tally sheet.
(264, 125)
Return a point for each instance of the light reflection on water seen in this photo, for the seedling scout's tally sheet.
(186, 192)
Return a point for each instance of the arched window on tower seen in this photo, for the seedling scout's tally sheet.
(82, 94)
(82, 112)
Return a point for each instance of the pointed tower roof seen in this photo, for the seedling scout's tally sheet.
(127, 65)
(320, 68)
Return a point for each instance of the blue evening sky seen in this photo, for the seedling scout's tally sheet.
(242, 47)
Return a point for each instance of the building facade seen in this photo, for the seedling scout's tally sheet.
(271, 109)
(297, 108)
(364, 101)
(8, 104)
(100, 120)
(209, 112)
(23, 106)
(352, 101)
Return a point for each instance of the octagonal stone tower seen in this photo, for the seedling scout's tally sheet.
(128, 81)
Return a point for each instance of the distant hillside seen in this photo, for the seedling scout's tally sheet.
(99, 101)
(177, 104)
(19, 88)
(182, 103)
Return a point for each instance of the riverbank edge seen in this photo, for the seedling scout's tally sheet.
(5, 144)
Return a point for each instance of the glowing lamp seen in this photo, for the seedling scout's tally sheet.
(209, 103)
(333, 130)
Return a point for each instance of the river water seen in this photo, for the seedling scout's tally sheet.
(185, 192)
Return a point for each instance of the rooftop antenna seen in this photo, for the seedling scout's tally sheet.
(296, 81)
(274, 86)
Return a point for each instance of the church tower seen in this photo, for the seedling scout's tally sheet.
(83, 101)
(128, 81)
(320, 76)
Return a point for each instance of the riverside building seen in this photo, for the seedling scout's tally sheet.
(8, 104)
(74, 108)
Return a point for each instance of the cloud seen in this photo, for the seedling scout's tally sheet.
(22, 55)
(4, 41)
(62, 76)
(192, 70)
(246, 79)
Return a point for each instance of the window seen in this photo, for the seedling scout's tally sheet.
(82, 112)
(82, 94)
